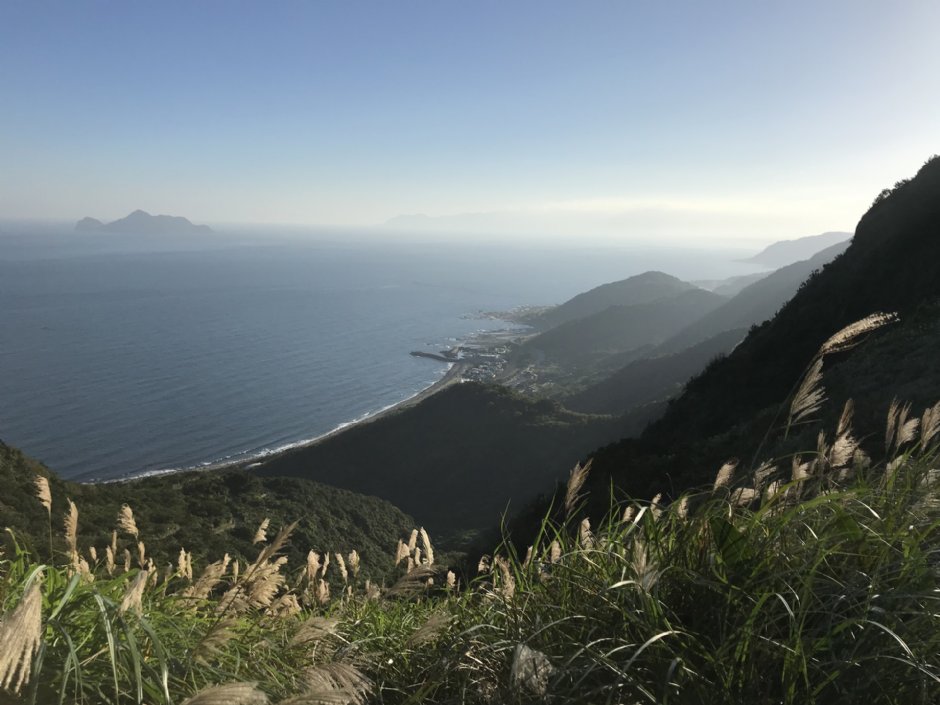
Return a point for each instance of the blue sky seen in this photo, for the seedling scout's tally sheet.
(605, 120)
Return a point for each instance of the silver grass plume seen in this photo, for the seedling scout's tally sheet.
(261, 535)
(412, 541)
(341, 564)
(71, 528)
(848, 336)
(426, 546)
(229, 694)
(810, 395)
(352, 560)
(43, 493)
(21, 636)
(134, 594)
(126, 521)
(338, 682)
(725, 475)
(575, 483)
(929, 425)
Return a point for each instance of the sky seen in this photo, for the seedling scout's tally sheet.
(613, 121)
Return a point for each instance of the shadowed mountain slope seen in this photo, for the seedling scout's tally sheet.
(457, 459)
(640, 289)
(785, 252)
(754, 304)
(621, 328)
(651, 379)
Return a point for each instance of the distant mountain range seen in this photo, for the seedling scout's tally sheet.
(787, 251)
(142, 223)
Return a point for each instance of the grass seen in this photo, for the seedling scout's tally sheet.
(811, 579)
(813, 591)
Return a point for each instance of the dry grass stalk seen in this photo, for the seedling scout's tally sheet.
(575, 483)
(323, 592)
(326, 564)
(21, 636)
(71, 528)
(134, 593)
(412, 541)
(341, 564)
(412, 583)
(352, 560)
(315, 630)
(629, 514)
(215, 640)
(528, 557)
(763, 474)
(809, 396)
(401, 552)
(141, 554)
(554, 552)
(229, 694)
(93, 554)
(209, 580)
(43, 492)
(127, 561)
(799, 470)
(451, 580)
(261, 535)
(743, 496)
(645, 569)
(656, 506)
(184, 564)
(337, 682)
(109, 560)
(426, 546)
(682, 508)
(725, 475)
(507, 587)
(483, 565)
(126, 522)
(417, 556)
(277, 544)
(313, 566)
(430, 630)
(929, 426)
(849, 336)
(585, 537)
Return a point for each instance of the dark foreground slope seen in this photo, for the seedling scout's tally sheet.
(456, 460)
(209, 514)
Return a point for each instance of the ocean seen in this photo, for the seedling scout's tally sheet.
(122, 355)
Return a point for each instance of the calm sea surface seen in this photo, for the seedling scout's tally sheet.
(121, 355)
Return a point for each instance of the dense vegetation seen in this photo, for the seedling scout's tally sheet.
(816, 583)
(207, 513)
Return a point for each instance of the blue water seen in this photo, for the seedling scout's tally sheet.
(126, 355)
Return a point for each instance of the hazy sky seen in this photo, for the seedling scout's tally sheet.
(621, 120)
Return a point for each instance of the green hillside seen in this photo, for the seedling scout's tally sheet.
(207, 513)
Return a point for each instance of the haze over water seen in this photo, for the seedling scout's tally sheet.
(134, 354)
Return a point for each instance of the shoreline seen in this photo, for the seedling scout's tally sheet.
(456, 373)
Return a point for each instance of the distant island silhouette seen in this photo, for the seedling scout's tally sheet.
(142, 222)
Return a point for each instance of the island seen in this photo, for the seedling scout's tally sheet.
(141, 222)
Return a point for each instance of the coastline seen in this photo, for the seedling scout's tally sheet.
(453, 375)
(459, 370)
